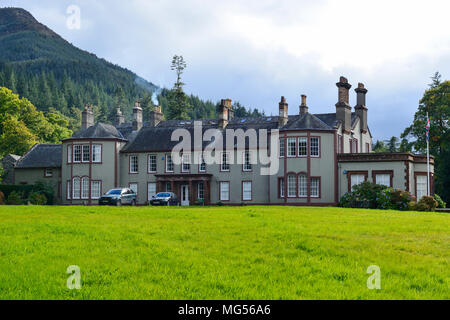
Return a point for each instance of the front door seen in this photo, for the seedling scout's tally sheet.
(185, 195)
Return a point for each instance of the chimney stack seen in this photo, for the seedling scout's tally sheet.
(343, 109)
(225, 113)
(283, 115)
(119, 117)
(137, 117)
(303, 106)
(87, 117)
(360, 108)
(156, 116)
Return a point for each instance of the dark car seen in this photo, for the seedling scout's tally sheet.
(118, 197)
(164, 199)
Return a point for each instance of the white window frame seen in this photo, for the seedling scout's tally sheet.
(96, 153)
(169, 163)
(247, 194)
(76, 188)
(134, 165)
(202, 166)
(96, 189)
(225, 162)
(302, 186)
(281, 186)
(77, 150)
(85, 188)
(185, 163)
(149, 193)
(304, 146)
(201, 191)
(291, 140)
(47, 173)
(282, 148)
(314, 147)
(152, 161)
(69, 154)
(224, 196)
(247, 163)
(292, 178)
(315, 187)
(355, 179)
(423, 190)
(86, 150)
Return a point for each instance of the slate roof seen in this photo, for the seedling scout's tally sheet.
(159, 138)
(42, 156)
(99, 131)
(330, 118)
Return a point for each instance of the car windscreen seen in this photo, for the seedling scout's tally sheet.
(163, 195)
(115, 191)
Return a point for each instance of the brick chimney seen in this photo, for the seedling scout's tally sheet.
(343, 109)
(303, 106)
(137, 117)
(87, 117)
(119, 117)
(360, 108)
(225, 113)
(283, 115)
(156, 116)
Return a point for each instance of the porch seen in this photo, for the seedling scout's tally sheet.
(187, 187)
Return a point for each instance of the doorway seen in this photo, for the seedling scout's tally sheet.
(185, 195)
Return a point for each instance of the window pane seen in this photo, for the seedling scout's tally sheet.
(282, 151)
(302, 186)
(86, 153)
(421, 187)
(76, 188)
(201, 190)
(314, 147)
(302, 147)
(151, 190)
(315, 187)
(169, 163)
(291, 145)
(282, 187)
(383, 179)
(247, 191)
(69, 154)
(202, 164)
(85, 188)
(96, 153)
(224, 191)
(152, 163)
(292, 186)
(134, 164)
(356, 179)
(225, 162)
(77, 153)
(95, 190)
(69, 190)
(247, 166)
(186, 162)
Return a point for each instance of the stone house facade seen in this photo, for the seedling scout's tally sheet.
(320, 157)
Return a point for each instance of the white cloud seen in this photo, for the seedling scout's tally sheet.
(256, 51)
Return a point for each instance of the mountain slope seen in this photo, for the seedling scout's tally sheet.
(53, 73)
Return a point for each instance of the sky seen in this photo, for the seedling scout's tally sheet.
(256, 51)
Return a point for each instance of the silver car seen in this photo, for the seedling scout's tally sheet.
(164, 199)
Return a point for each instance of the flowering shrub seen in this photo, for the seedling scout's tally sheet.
(364, 195)
(427, 203)
(441, 203)
(395, 199)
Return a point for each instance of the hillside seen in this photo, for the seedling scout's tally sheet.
(40, 65)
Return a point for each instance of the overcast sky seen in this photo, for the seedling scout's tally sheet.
(255, 51)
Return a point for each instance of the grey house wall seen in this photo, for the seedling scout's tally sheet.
(34, 175)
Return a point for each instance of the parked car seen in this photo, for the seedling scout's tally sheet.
(164, 199)
(118, 197)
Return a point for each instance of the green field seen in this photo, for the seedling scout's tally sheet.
(222, 253)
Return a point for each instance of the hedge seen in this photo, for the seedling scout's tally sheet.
(26, 190)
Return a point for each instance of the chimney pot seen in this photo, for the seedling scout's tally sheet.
(343, 109)
(283, 112)
(87, 117)
(360, 108)
(225, 112)
(137, 117)
(119, 117)
(303, 105)
(156, 116)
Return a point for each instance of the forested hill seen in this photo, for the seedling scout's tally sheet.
(52, 73)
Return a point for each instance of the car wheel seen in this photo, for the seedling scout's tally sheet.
(119, 203)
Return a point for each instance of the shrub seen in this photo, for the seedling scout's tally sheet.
(37, 198)
(199, 202)
(25, 190)
(396, 200)
(364, 195)
(2, 198)
(427, 203)
(219, 204)
(441, 203)
(14, 198)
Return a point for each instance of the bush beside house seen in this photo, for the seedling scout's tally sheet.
(39, 194)
(369, 195)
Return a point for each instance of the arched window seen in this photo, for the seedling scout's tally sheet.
(76, 188)
(302, 185)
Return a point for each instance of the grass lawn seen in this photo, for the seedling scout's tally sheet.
(222, 253)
